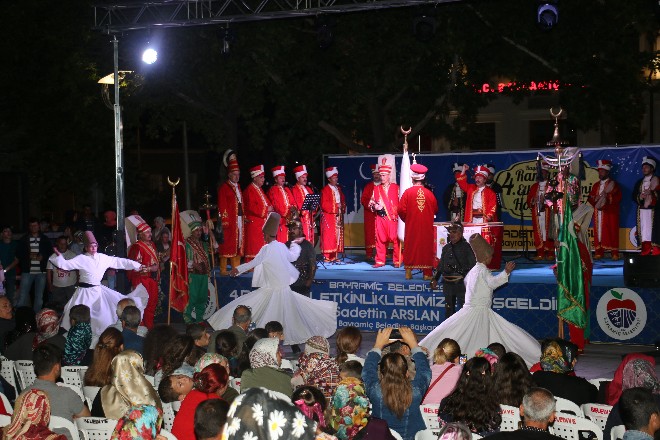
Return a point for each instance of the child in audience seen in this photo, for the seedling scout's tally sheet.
(275, 330)
(312, 403)
(350, 369)
(348, 343)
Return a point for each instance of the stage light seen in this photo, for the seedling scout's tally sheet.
(150, 55)
(547, 14)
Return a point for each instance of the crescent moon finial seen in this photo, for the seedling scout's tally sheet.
(173, 184)
(552, 113)
(406, 132)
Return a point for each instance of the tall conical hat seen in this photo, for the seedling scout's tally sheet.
(88, 238)
(190, 220)
(272, 224)
(134, 224)
(482, 250)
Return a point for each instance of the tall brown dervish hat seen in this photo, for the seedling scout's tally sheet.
(482, 250)
(88, 238)
(272, 224)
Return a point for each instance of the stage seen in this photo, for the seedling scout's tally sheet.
(371, 298)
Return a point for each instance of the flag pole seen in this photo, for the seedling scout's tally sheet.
(169, 292)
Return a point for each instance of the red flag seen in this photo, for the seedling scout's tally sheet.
(179, 263)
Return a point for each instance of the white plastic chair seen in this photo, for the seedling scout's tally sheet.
(616, 433)
(476, 436)
(96, 428)
(90, 394)
(596, 382)
(8, 371)
(168, 416)
(4, 420)
(396, 435)
(430, 415)
(167, 434)
(235, 383)
(568, 407)
(597, 413)
(151, 380)
(25, 371)
(510, 418)
(5, 402)
(71, 375)
(568, 427)
(60, 422)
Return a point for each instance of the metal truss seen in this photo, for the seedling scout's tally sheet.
(122, 16)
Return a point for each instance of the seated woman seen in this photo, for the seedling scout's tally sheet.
(110, 344)
(140, 422)
(467, 403)
(348, 343)
(511, 380)
(79, 337)
(243, 360)
(128, 387)
(265, 359)
(30, 419)
(174, 357)
(393, 396)
(226, 345)
(316, 368)
(158, 338)
(47, 330)
(445, 371)
(213, 358)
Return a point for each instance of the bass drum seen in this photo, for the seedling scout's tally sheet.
(211, 304)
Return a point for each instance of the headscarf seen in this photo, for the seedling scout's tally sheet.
(640, 373)
(316, 367)
(260, 413)
(557, 358)
(350, 408)
(489, 355)
(264, 353)
(30, 419)
(128, 386)
(77, 343)
(208, 359)
(614, 389)
(139, 422)
(48, 324)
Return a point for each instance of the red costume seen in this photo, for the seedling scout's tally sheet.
(417, 209)
(282, 200)
(306, 217)
(333, 207)
(145, 253)
(230, 210)
(369, 220)
(544, 244)
(256, 211)
(386, 226)
(605, 197)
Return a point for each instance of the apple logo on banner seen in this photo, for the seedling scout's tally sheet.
(621, 313)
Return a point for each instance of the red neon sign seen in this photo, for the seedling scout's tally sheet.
(514, 86)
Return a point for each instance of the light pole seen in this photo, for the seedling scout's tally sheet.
(119, 157)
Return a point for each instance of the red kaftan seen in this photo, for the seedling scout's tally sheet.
(256, 212)
(333, 207)
(369, 220)
(417, 209)
(229, 197)
(543, 247)
(306, 217)
(282, 200)
(144, 252)
(386, 226)
(606, 219)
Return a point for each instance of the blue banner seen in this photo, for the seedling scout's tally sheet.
(515, 171)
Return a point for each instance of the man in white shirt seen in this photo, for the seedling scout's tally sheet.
(61, 283)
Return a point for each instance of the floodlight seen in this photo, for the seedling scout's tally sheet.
(149, 56)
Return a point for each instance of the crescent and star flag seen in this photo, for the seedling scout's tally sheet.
(570, 284)
(179, 264)
(404, 184)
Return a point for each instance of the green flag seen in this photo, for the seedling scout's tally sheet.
(570, 283)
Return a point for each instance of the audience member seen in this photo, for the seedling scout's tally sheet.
(497, 348)
(244, 356)
(25, 320)
(557, 360)
(30, 419)
(467, 403)
(615, 387)
(8, 261)
(349, 406)
(109, 345)
(33, 251)
(174, 357)
(445, 371)
(275, 330)
(7, 321)
(637, 372)
(350, 369)
(640, 414)
(348, 343)
(210, 417)
(199, 333)
(393, 396)
(130, 320)
(140, 422)
(313, 404)
(213, 358)
(226, 344)
(210, 383)
(537, 411)
(154, 346)
(142, 330)
(79, 337)
(282, 416)
(128, 387)
(454, 431)
(47, 330)
(241, 320)
(159, 229)
(61, 283)
(512, 380)
(265, 360)
(316, 367)
(64, 402)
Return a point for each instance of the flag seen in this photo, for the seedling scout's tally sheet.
(571, 298)
(179, 263)
(404, 183)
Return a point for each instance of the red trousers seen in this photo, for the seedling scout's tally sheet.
(150, 311)
(385, 233)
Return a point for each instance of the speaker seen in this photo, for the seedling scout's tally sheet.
(641, 270)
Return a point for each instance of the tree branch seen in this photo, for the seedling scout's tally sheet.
(337, 134)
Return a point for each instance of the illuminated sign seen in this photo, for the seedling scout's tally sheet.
(514, 86)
